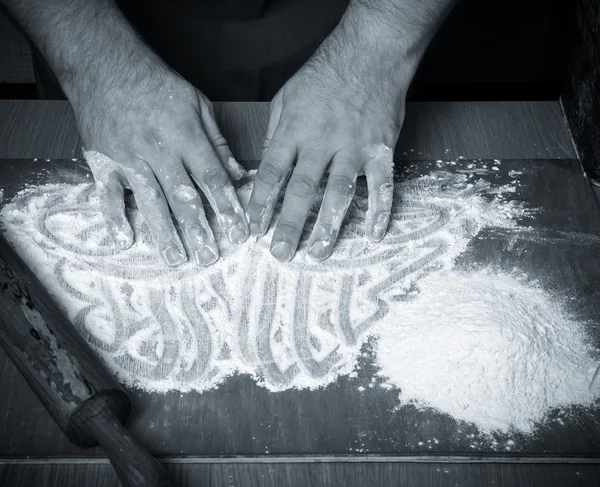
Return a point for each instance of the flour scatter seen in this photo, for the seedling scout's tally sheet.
(289, 325)
(295, 325)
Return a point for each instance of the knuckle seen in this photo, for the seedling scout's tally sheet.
(184, 193)
(190, 130)
(107, 180)
(198, 234)
(386, 188)
(218, 140)
(288, 227)
(385, 193)
(214, 177)
(228, 215)
(278, 142)
(137, 168)
(269, 174)
(150, 193)
(302, 185)
(255, 210)
(151, 138)
(200, 149)
(342, 185)
(145, 188)
(324, 228)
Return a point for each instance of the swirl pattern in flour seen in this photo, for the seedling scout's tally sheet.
(289, 325)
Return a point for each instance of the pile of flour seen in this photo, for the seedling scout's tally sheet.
(483, 347)
(487, 348)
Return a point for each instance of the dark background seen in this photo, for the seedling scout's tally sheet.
(499, 50)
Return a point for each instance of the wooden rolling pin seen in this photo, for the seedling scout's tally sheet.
(65, 373)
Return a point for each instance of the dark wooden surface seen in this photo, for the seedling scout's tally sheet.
(440, 130)
(317, 475)
(241, 418)
(164, 429)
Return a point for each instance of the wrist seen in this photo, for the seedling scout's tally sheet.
(363, 47)
(383, 32)
(112, 56)
(125, 67)
(395, 32)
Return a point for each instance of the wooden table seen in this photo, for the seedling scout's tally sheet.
(46, 130)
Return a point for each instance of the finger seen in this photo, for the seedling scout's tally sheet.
(213, 180)
(234, 169)
(186, 205)
(270, 178)
(341, 186)
(300, 194)
(153, 207)
(276, 108)
(379, 170)
(219, 143)
(111, 197)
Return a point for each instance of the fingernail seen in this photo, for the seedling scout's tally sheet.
(206, 256)
(124, 238)
(382, 220)
(377, 234)
(238, 172)
(174, 257)
(282, 251)
(319, 251)
(380, 227)
(238, 234)
(255, 229)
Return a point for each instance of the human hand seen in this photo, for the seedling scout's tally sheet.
(340, 113)
(154, 133)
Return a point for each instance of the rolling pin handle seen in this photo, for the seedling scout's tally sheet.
(135, 467)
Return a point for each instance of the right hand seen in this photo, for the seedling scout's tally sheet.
(154, 133)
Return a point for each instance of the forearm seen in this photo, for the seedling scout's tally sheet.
(88, 43)
(389, 36)
(412, 22)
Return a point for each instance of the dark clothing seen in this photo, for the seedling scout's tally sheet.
(245, 50)
(235, 49)
(231, 50)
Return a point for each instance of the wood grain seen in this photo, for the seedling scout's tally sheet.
(38, 129)
(317, 475)
(436, 130)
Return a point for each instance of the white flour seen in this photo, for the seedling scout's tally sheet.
(303, 323)
(486, 348)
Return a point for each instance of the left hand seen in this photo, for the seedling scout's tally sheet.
(343, 114)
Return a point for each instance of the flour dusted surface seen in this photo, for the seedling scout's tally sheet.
(302, 324)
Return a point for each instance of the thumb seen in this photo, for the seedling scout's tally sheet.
(276, 108)
(218, 141)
